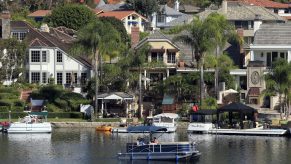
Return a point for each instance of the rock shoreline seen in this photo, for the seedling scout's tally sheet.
(95, 124)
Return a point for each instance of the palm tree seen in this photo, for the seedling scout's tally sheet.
(198, 36)
(93, 41)
(222, 31)
(278, 81)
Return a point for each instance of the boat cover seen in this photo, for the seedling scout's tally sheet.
(146, 128)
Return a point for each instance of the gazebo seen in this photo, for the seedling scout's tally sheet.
(240, 108)
(122, 96)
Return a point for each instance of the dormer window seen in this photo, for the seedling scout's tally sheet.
(19, 35)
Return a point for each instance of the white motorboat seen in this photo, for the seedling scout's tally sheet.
(168, 120)
(33, 123)
(201, 121)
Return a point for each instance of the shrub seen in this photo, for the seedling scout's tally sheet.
(52, 108)
(5, 103)
(65, 115)
(9, 96)
(4, 115)
(72, 96)
(62, 104)
(19, 103)
(4, 108)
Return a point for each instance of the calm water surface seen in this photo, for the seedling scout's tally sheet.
(88, 146)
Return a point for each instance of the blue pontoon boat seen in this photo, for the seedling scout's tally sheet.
(159, 151)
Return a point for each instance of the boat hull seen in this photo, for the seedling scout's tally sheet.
(160, 151)
(200, 127)
(254, 131)
(158, 156)
(30, 128)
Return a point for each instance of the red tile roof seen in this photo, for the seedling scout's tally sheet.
(40, 13)
(265, 3)
(109, 1)
(119, 14)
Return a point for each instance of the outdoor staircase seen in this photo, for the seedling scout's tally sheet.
(24, 95)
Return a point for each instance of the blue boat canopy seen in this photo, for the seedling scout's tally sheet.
(146, 128)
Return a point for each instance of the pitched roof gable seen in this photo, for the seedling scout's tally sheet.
(120, 14)
(37, 43)
(241, 11)
(55, 38)
(273, 34)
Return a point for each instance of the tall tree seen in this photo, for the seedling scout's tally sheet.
(144, 7)
(72, 16)
(278, 82)
(198, 36)
(94, 40)
(222, 31)
(11, 58)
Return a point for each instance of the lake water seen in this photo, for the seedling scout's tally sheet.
(88, 146)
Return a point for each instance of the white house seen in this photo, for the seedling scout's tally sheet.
(48, 53)
(129, 18)
(168, 17)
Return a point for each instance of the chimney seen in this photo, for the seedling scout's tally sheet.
(44, 28)
(6, 29)
(224, 7)
(257, 22)
(177, 5)
(134, 36)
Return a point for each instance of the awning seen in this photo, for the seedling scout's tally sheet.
(157, 50)
(146, 128)
(236, 107)
(172, 50)
(205, 112)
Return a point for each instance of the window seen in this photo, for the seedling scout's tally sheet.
(75, 80)
(83, 78)
(43, 57)
(18, 35)
(274, 56)
(161, 18)
(282, 55)
(59, 78)
(157, 56)
(68, 78)
(276, 11)
(269, 59)
(171, 57)
(35, 56)
(35, 77)
(241, 24)
(59, 57)
(286, 11)
(44, 77)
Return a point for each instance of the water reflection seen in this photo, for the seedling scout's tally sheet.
(88, 146)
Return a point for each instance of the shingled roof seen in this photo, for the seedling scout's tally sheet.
(60, 37)
(241, 11)
(273, 34)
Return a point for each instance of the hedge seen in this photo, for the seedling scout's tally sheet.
(9, 96)
(4, 115)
